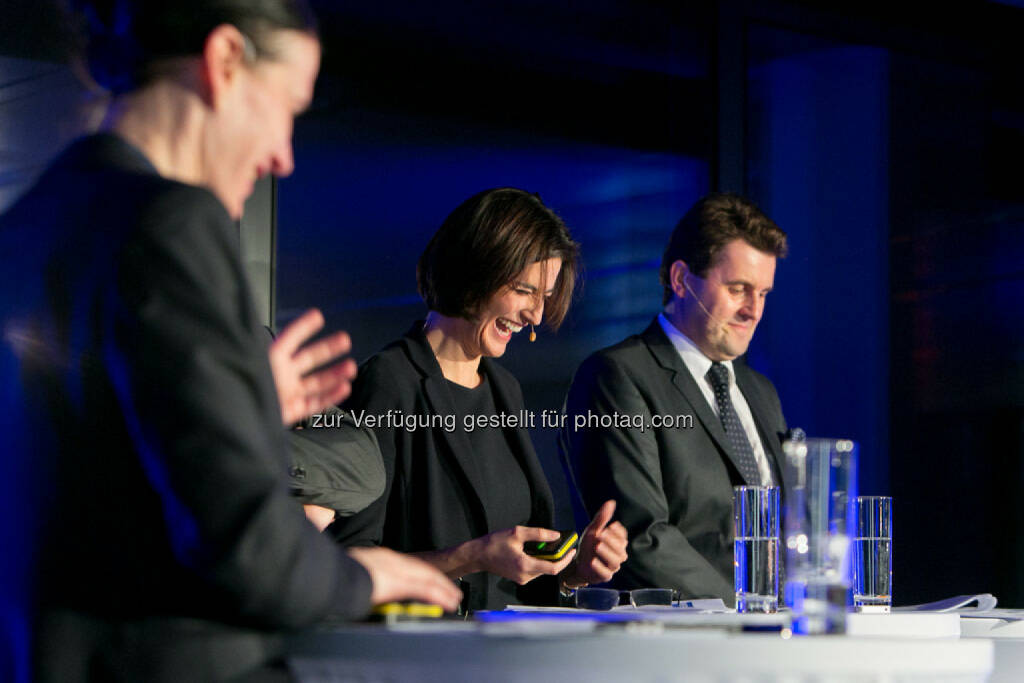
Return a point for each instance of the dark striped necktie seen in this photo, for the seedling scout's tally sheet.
(734, 433)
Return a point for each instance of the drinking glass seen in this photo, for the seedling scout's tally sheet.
(872, 554)
(756, 548)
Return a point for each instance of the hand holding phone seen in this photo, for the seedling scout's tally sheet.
(552, 551)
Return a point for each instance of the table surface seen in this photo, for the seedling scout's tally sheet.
(1007, 635)
(883, 647)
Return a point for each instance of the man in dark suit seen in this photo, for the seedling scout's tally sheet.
(668, 421)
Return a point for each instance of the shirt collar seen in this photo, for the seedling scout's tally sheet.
(696, 362)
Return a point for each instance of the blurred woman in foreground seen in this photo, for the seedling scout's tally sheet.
(139, 408)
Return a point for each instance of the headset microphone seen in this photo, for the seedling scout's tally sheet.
(699, 302)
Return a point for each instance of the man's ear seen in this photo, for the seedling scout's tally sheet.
(676, 274)
(222, 62)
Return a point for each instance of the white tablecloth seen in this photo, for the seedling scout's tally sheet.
(577, 651)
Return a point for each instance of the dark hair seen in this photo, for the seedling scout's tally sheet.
(710, 224)
(125, 41)
(485, 243)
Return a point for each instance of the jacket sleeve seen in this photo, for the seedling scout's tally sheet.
(189, 370)
(374, 393)
(624, 463)
(335, 464)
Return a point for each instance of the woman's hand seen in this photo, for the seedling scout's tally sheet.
(502, 553)
(302, 389)
(602, 550)
(396, 576)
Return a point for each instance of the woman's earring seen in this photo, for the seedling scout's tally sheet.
(533, 333)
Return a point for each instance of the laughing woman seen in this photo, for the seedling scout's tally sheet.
(466, 499)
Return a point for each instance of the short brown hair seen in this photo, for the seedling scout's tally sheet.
(710, 224)
(485, 243)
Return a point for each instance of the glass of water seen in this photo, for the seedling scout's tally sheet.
(756, 561)
(872, 554)
(821, 484)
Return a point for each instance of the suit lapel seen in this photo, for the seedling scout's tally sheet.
(441, 403)
(671, 363)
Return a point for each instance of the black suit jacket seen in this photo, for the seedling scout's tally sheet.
(142, 422)
(433, 498)
(673, 486)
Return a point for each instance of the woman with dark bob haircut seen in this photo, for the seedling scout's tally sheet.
(465, 490)
(142, 418)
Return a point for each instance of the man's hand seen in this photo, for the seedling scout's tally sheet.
(301, 394)
(402, 577)
(602, 550)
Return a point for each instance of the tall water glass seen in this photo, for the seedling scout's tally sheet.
(820, 476)
(756, 567)
(872, 554)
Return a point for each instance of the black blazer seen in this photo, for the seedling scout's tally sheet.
(433, 498)
(673, 486)
(140, 405)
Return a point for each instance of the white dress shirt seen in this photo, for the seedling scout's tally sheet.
(698, 364)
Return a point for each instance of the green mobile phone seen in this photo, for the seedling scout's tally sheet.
(552, 551)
